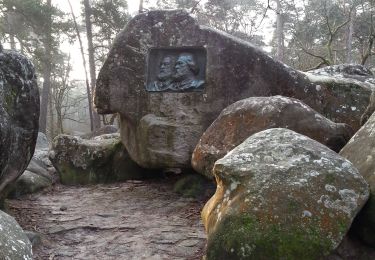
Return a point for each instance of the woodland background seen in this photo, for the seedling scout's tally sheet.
(304, 34)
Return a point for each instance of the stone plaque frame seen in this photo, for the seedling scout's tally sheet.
(176, 69)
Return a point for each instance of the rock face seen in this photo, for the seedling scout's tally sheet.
(107, 129)
(39, 174)
(346, 91)
(14, 244)
(99, 160)
(249, 116)
(352, 71)
(281, 195)
(19, 115)
(163, 118)
(361, 152)
(161, 128)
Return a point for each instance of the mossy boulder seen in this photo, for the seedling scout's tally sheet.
(193, 186)
(281, 195)
(345, 91)
(19, 116)
(29, 182)
(102, 159)
(249, 116)
(361, 152)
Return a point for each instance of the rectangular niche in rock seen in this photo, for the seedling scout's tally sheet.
(178, 69)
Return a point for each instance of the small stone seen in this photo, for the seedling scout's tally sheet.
(34, 238)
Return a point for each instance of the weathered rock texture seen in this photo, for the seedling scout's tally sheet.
(249, 116)
(361, 152)
(19, 115)
(346, 90)
(40, 172)
(99, 160)
(281, 195)
(107, 129)
(161, 129)
(14, 244)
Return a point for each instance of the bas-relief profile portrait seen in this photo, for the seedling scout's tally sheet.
(176, 71)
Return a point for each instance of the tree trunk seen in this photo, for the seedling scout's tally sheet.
(47, 68)
(51, 117)
(84, 65)
(12, 42)
(96, 118)
(349, 38)
(279, 32)
(10, 24)
(140, 9)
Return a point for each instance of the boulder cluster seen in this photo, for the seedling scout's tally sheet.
(269, 135)
(294, 169)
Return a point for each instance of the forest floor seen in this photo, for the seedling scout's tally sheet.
(131, 220)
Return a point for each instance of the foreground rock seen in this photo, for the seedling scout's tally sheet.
(99, 160)
(249, 116)
(160, 128)
(19, 114)
(14, 244)
(281, 195)
(361, 152)
(346, 90)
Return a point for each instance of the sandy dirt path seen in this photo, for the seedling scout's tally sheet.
(132, 220)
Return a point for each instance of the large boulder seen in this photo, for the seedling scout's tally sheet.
(346, 89)
(281, 195)
(361, 152)
(14, 244)
(160, 128)
(19, 115)
(169, 79)
(102, 159)
(40, 172)
(249, 116)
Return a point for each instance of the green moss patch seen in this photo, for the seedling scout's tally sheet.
(191, 186)
(243, 237)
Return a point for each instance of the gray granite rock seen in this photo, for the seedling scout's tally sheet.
(249, 116)
(175, 119)
(14, 244)
(42, 142)
(346, 90)
(19, 115)
(281, 195)
(141, 80)
(102, 159)
(40, 172)
(361, 152)
(29, 182)
(107, 129)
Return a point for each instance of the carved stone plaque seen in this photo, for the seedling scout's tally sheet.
(179, 69)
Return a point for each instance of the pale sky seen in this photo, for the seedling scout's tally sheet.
(78, 71)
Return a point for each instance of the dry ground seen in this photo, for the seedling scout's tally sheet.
(132, 220)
